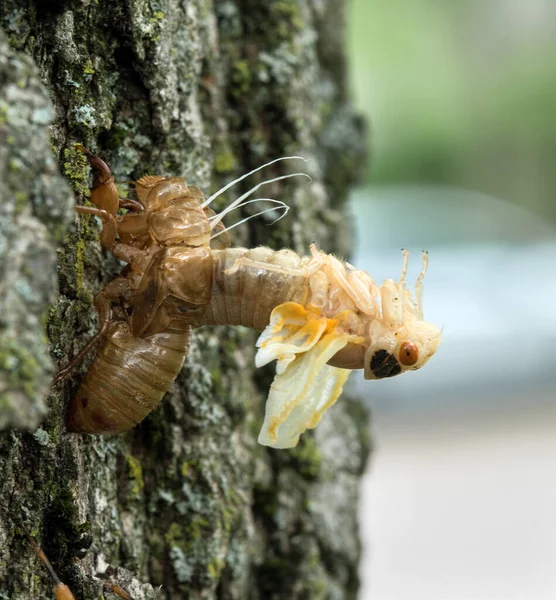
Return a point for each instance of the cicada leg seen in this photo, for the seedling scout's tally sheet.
(109, 225)
(135, 257)
(132, 205)
(104, 193)
(114, 290)
(419, 284)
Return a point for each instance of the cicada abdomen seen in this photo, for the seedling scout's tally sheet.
(246, 295)
(128, 378)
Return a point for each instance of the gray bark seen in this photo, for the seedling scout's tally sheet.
(188, 500)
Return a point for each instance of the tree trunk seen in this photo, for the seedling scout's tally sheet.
(187, 502)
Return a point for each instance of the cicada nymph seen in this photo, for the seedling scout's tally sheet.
(319, 318)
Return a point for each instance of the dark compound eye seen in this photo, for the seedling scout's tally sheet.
(383, 364)
(409, 354)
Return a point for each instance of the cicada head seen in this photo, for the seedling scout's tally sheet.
(400, 340)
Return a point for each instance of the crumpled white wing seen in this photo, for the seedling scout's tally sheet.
(291, 331)
(300, 394)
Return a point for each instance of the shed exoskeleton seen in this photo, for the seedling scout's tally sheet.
(319, 317)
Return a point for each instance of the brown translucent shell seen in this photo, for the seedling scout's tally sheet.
(409, 354)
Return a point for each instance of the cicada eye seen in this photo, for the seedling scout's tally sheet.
(409, 354)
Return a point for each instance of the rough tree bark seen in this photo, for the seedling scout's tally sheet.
(188, 500)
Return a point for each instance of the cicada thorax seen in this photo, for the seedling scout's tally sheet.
(172, 215)
(178, 281)
(176, 285)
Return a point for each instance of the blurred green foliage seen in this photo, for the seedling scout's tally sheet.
(460, 92)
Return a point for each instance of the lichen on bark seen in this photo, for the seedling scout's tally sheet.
(188, 500)
(34, 212)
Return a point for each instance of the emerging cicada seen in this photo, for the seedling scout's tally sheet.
(320, 318)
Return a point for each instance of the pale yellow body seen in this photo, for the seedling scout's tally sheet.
(320, 318)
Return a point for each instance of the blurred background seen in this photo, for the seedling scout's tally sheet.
(459, 500)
